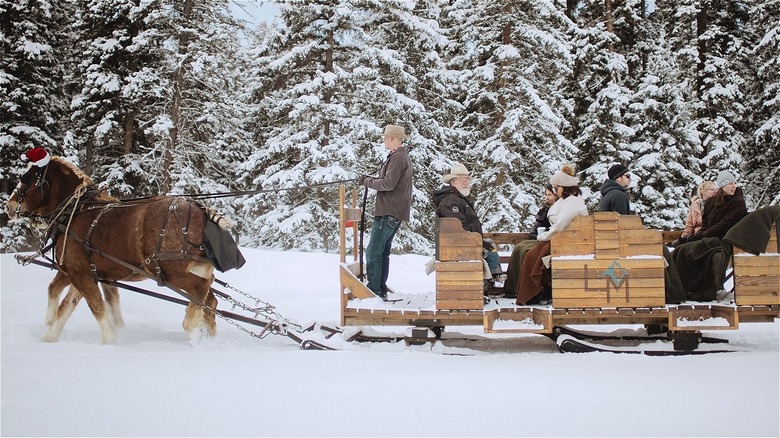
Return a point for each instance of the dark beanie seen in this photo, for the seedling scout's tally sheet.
(616, 171)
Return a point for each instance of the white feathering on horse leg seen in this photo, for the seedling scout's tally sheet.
(107, 331)
(56, 286)
(63, 313)
(111, 296)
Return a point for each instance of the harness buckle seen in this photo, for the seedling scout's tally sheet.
(184, 231)
(92, 267)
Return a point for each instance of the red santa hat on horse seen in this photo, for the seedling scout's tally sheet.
(37, 156)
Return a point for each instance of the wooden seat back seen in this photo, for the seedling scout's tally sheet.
(607, 260)
(459, 282)
(757, 278)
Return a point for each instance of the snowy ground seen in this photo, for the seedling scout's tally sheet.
(155, 382)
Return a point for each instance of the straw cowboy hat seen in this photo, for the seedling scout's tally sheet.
(458, 171)
(395, 131)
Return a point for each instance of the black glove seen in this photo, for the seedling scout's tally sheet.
(361, 180)
(694, 237)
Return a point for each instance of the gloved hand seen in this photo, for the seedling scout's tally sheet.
(694, 237)
(678, 241)
(361, 180)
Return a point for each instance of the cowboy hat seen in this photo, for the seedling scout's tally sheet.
(395, 131)
(458, 171)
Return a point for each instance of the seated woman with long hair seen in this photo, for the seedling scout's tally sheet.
(693, 258)
(534, 286)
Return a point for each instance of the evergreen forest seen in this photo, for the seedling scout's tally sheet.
(178, 96)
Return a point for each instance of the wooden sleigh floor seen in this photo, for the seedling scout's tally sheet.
(360, 307)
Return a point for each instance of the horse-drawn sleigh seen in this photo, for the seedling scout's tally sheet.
(607, 269)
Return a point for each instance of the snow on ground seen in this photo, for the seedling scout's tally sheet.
(155, 382)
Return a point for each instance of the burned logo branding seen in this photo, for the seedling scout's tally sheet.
(615, 276)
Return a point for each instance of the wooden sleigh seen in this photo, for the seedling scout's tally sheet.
(606, 269)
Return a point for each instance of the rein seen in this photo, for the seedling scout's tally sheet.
(254, 192)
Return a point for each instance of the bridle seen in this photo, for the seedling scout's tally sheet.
(25, 186)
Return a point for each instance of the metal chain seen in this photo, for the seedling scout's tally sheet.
(276, 324)
(260, 335)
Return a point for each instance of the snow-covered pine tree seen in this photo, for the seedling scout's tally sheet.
(31, 92)
(762, 152)
(304, 127)
(334, 75)
(208, 138)
(122, 97)
(707, 39)
(403, 80)
(160, 106)
(513, 57)
(600, 87)
(662, 145)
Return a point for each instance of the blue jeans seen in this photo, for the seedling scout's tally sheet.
(378, 253)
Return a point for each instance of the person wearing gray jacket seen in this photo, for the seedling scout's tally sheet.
(613, 191)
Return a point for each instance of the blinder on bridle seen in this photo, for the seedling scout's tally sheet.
(34, 178)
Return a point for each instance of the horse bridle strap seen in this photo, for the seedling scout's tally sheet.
(88, 240)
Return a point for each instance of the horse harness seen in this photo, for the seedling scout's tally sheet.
(83, 202)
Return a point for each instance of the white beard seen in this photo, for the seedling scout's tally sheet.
(465, 192)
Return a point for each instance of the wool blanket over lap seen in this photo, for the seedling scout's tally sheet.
(698, 264)
(702, 264)
(530, 283)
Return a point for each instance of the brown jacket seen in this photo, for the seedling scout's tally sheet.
(393, 186)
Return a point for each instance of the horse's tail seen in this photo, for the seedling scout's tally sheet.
(219, 219)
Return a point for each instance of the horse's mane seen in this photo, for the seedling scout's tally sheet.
(103, 196)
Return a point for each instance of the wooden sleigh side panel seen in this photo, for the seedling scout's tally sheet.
(757, 278)
(607, 260)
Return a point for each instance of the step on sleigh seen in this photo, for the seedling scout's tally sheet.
(606, 269)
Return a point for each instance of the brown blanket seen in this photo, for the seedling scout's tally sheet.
(532, 272)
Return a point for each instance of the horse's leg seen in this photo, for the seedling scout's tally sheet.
(111, 295)
(199, 287)
(55, 289)
(210, 317)
(196, 318)
(62, 315)
(89, 289)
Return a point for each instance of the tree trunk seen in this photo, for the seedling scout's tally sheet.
(506, 38)
(88, 155)
(178, 86)
(127, 140)
(608, 16)
(327, 95)
(701, 27)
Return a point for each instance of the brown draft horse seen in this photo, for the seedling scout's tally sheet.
(98, 238)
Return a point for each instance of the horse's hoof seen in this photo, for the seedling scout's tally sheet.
(50, 338)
